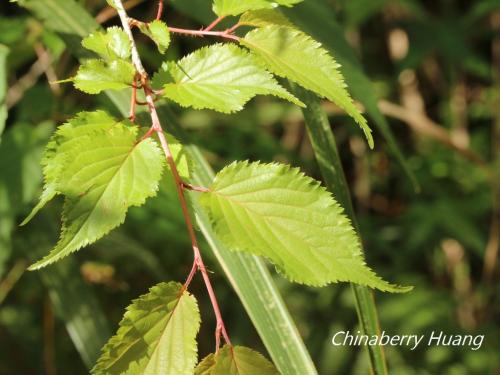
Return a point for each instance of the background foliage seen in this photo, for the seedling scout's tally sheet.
(435, 72)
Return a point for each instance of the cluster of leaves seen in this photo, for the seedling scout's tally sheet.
(407, 230)
(220, 77)
(103, 166)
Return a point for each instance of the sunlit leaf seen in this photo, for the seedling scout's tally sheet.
(264, 17)
(66, 137)
(111, 44)
(222, 77)
(234, 7)
(277, 212)
(102, 176)
(292, 54)
(157, 335)
(94, 76)
(236, 360)
(158, 32)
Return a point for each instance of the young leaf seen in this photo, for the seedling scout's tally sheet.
(103, 175)
(277, 212)
(110, 45)
(222, 77)
(237, 360)
(66, 136)
(158, 32)
(94, 76)
(289, 53)
(157, 335)
(234, 7)
(264, 17)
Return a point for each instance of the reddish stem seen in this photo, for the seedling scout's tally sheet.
(213, 24)
(156, 127)
(160, 10)
(222, 34)
(233, 28)
(220, 329)
(148, 134)
(199, 189)
(133, 103)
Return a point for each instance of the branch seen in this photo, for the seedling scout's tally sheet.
(423, 124)
(223, 34)
(156, 126)
(16, 91)
(213, 24)
(109, 12)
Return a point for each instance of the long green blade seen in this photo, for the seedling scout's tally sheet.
(327, 155)
(247, 274)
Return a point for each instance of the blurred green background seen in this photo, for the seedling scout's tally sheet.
(434, 68)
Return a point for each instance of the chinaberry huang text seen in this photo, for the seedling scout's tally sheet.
(435, 338)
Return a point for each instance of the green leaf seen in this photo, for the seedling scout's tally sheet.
(4, 51)
(65, 138)
(275, 211)
(158, 32)
(49, 192)
(264, 17)
(292, 54)
(157, 335)
(222, 77)
(234, 7)
(103, 175)
(111, 3)
(236, 360)
(95, 76)
(110, 45)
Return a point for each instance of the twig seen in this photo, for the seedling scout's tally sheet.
(133, 101)
(419, 123)
(213, 24)
(159, 13)
(156, 127)
(223, 34)
(50, 73)
(16, 91)
(107, 13)
(11, 279)
(424, 125)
